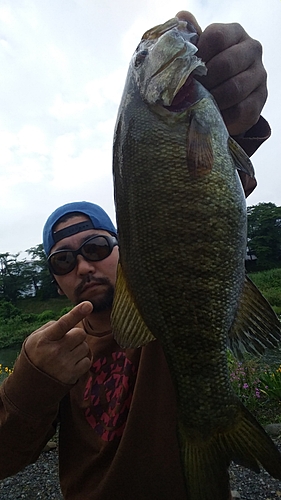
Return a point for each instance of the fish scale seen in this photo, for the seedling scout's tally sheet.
(181, 218)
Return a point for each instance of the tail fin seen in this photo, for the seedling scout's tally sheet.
(206, 461)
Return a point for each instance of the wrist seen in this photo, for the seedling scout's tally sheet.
(252, 139)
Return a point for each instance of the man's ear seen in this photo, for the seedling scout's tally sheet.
(59, 290)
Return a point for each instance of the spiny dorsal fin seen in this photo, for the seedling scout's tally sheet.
(256, 326)
(129, 329)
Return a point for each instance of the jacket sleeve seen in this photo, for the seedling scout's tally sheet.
(29, 405)
(250, 142)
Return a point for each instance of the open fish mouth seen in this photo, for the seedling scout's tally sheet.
(163, 63)
(185, 97)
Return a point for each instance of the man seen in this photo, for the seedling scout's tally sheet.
(116, 407)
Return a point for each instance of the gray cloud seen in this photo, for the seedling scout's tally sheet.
(63, 66)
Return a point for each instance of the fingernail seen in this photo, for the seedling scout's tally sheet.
(86, 308)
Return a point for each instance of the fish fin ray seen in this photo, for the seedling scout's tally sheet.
(256, 327)
(205, 469)
(200, 158)
(240, 158)
(206, 460)
(128, 327)
(248, 444)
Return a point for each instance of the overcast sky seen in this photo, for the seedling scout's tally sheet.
(63, 67)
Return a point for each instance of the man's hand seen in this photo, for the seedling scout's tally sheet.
(236, 76)
(59, 348)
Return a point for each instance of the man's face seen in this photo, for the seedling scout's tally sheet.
(93, 281)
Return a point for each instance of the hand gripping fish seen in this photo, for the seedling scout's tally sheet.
(181, 219)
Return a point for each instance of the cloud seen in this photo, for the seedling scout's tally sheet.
(63, 68)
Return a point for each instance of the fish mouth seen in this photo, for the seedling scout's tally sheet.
(174, 80)
(168, 64)
(185, 97)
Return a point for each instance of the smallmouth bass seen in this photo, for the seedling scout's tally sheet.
(181, 218)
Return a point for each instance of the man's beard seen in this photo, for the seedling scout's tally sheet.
(101, 303)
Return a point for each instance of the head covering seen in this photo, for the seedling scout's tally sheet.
(98, 217)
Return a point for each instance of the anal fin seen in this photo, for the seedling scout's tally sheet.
(256, 327)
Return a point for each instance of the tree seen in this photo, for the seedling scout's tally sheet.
(12, 280)
(39, 273)
(264, 234)
(27, 277)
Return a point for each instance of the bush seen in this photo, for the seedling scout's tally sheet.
(65, 310)
(46, 316)
(8, 310)
(17, 323)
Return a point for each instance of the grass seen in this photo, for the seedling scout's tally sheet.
(269, 283)
(17, 322)
(31, 305)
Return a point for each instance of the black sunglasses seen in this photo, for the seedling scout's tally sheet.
(94, 249)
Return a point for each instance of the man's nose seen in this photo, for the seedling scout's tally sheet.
(84, 266)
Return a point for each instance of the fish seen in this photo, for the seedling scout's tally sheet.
(182, 231)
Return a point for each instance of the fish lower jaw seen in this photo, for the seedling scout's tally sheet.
(188, 95)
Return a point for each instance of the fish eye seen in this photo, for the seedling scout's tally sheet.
(140, 57)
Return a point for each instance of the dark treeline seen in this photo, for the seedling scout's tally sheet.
(31, 278)
(264, 236)
(25, 289)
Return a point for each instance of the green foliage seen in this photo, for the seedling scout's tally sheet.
(264, 234)
(258, 386)
(12, 283)
(23, 278)
(45, 288)
(65, 310)
(4, 372)
(271, 383)
(36, 305)
(46, 316)
(269, 283)
(17, 322)
(245, 381)
(267, 280)
(7, 310)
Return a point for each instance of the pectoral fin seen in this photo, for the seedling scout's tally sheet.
(241, 159)
(199, 149)
(256, 326)
(129, 329)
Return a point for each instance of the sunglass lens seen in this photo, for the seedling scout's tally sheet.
(63, 262)
(97, 249)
